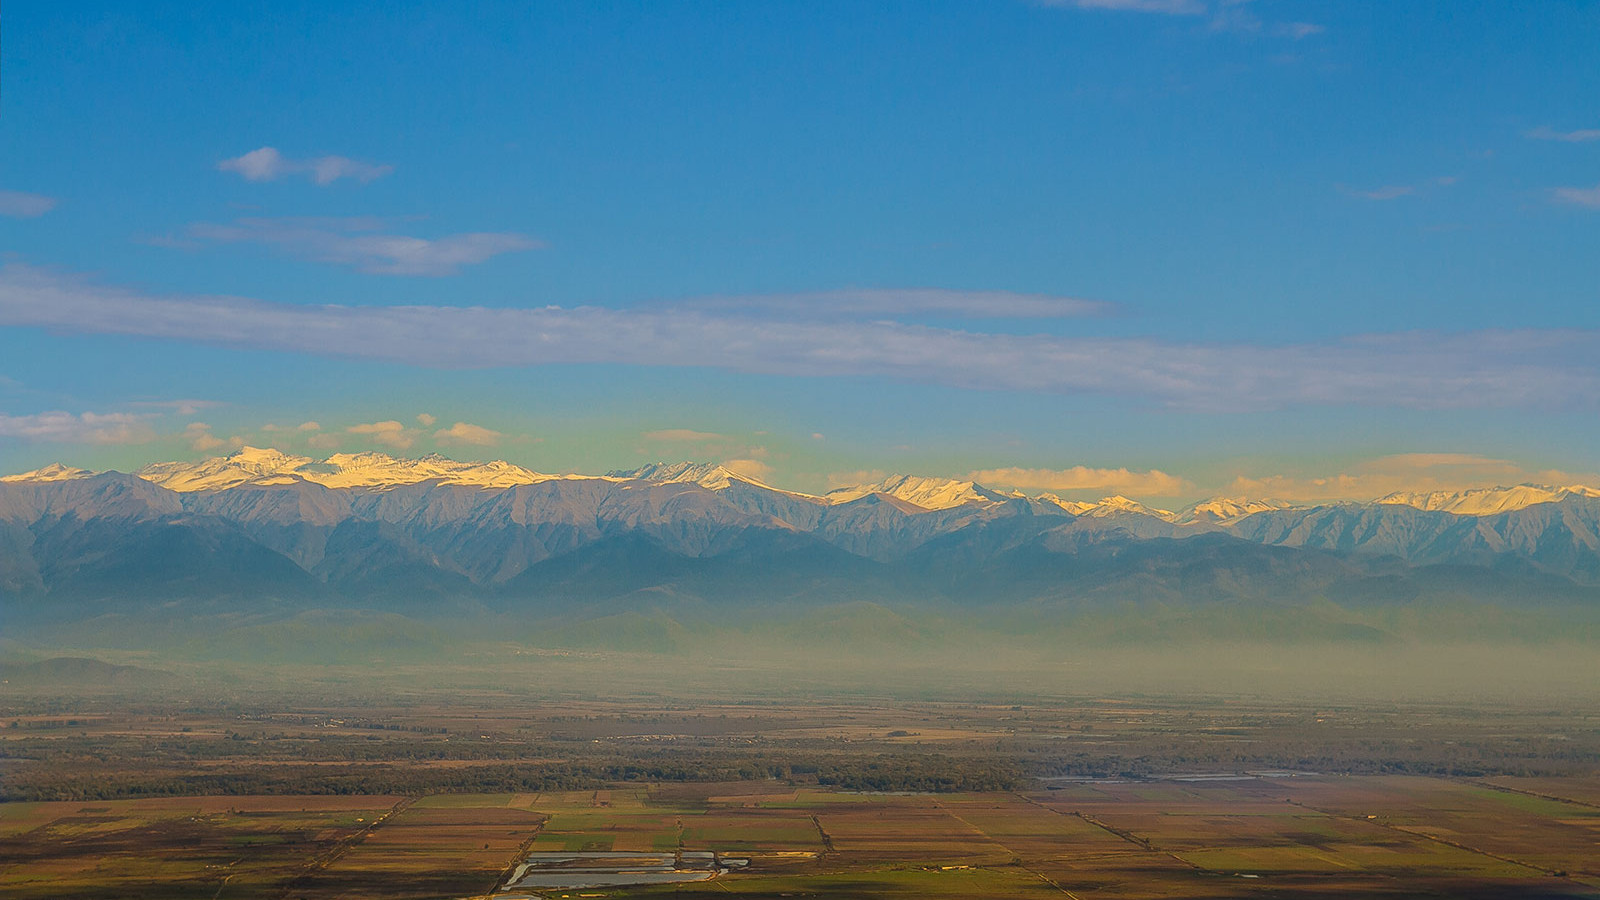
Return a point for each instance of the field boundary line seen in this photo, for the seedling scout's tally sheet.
(975, 829)
(332, 854)
(827, 839)
(1511, 790)
(1016, 858)
(1140, 842)
(1430, 837)
(1047, 880)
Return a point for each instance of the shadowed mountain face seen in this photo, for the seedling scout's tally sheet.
(443, 537)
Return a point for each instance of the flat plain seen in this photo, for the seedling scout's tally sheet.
(1093, 797)
(1304, 836)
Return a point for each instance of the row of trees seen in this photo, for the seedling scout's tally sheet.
(64, 780)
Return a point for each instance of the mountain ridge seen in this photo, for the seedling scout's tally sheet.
(422, 536)
(370, 469)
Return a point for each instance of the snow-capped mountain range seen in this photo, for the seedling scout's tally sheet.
(1488, 501)
(369, 525)
(251, 466)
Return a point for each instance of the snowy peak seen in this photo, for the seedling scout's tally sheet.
(52, 472)
(1118, 505)
(381, 470)
(1223, 510)
(708, 475)
(1486, 501)
(1076, 507)
(948, 493)
(928, 493)
(252, 465)
(261, 467)
(246, 465)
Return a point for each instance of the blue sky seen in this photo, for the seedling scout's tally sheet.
(1230, 242)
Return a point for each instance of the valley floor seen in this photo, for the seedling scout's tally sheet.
(433, 784)
(1265, 836)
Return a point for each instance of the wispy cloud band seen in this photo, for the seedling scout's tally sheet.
(364, 244)
(895, 302)
(1154, 483)
(1580, 136)
(22, 205)
(267, 164)
(1387, 192)
(58, 426)
(1576, 196)
(1162, 7)
(1225, 15)
(1544, 368)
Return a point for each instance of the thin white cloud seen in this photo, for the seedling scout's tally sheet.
(177, 407)
(1163, 7)
(1233, 16)
(1396, 191)
(21, 205)
(1153, 483)
(683, 434)
(200, 438)
(1575, 196)
(466, 433)
(1551, 368)
(1298, 30)
(57, 426)
(1387, 192)
(1581, 136)
(836, 480)
(362, 244)
(301, 429)
(426, 420)
(897, 302)
(388, 433)
(1225, 15)
(1238, 16)
(267, 164)
(749, 468)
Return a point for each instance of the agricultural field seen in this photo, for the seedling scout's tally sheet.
(272, 796)
(178, 847)
(1271, 836)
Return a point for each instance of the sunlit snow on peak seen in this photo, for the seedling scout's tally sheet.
(251, 465)
(52, 472)
(1487, 501)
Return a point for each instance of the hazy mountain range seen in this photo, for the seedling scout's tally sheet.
(262, 533)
